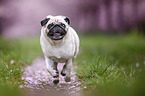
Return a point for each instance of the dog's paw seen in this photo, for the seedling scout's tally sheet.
(56, 75)
(56, 78)
(63, 74)
(56, 81)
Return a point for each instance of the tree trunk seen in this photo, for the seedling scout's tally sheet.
(120, 16)
(108, 14)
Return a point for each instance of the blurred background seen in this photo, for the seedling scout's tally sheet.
(22, 17)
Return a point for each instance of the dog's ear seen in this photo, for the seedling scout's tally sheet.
(43, 22)
(67, 20)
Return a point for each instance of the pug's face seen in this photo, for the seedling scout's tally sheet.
(55, 27)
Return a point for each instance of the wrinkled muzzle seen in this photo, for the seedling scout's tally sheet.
(56, 33)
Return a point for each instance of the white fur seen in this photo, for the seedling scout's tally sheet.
(64, 50)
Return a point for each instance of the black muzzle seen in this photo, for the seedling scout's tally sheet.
(56, 32)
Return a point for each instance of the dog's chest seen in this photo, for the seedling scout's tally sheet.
(65, 50)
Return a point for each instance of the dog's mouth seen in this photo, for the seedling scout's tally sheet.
(56, 33)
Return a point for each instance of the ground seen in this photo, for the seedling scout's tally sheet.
(37, 78)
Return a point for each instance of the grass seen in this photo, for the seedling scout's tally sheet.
(101, 73)
(14, 56)
(103, 61)
(111, 62)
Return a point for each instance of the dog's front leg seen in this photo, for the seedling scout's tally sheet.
(52, 69)
(68, 70)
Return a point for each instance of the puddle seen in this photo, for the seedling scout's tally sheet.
(40, 83)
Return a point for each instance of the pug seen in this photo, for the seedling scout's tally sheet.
(60, 44)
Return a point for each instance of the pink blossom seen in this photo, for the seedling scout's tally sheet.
(12, 62)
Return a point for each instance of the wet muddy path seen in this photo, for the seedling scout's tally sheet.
(40, 83)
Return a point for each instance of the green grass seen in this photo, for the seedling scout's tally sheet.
(14, 56)
(110, 61)
(103, 62)
(101, 73)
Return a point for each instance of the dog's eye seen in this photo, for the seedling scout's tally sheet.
(50, 25)
(63, 25)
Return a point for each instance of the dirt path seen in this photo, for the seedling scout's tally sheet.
(40, 83)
